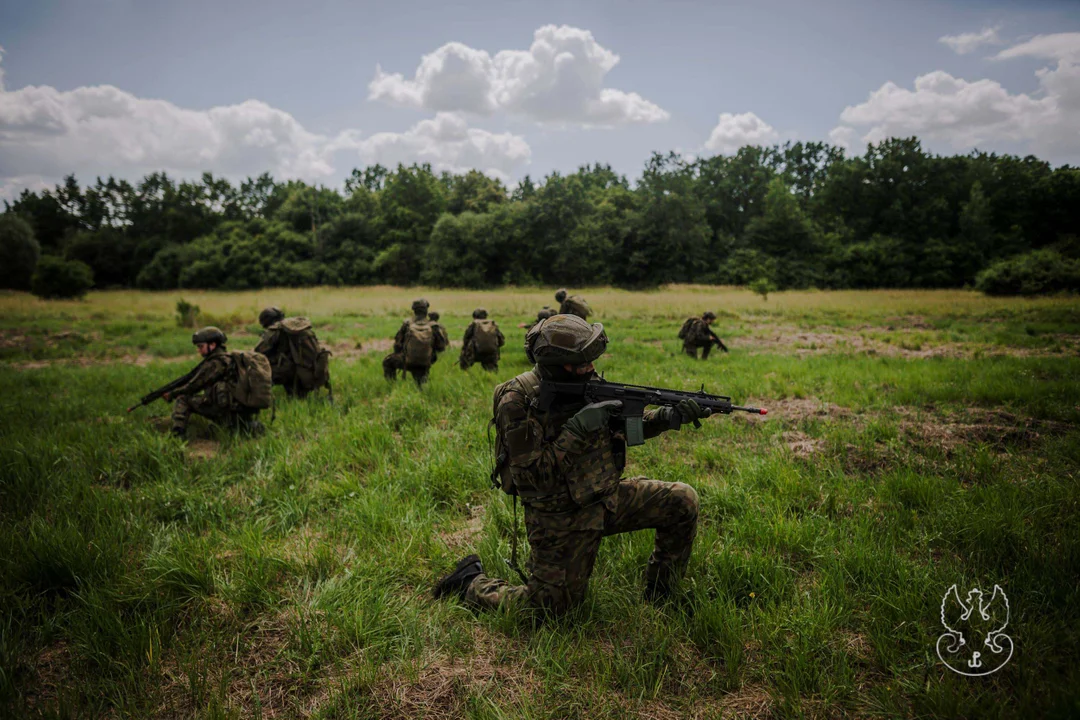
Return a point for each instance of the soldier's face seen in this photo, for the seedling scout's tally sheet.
(206, 348)
(585, 369)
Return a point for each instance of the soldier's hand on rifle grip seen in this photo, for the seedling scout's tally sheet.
(593, 417)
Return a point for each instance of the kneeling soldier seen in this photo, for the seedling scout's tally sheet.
(696, 333)
(481, 342)
(210, 390)
(566, 466)
(299, 362)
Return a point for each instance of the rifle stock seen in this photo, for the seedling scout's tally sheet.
(635, 398)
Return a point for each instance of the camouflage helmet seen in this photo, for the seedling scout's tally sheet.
(270, 315)
(709, 315)
(560, 294)
(565, 340)
(420, 305)
(479, 314)
(433, 316)
(208, 335)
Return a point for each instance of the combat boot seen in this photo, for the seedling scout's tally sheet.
(179, 433)
(458, 581)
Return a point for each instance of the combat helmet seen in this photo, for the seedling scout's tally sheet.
(433, 316)
(209, 334)
(271, 315)
(560, 294)
(565, 340)
(709, 315)
(479, 314)
(420, 306)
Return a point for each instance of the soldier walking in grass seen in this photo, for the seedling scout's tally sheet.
(298, 362)
(696, 333)
(416, 345)
(572, 305)
(226, 389)
(442, 338)
(481, 342)
(566, 465)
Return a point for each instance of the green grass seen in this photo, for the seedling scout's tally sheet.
(290, 575)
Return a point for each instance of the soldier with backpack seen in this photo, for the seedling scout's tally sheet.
(572, 305)
(226, 388)
(442, 337)
(416, 345)
(696, 333)
(299, 363)
(481, 342)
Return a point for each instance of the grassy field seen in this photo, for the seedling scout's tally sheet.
(915, 440)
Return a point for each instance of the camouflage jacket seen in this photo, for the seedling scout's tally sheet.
(471, 331)
(697, 332)
(575, 305)
(214, 368)
(440, 339)
(551, 469)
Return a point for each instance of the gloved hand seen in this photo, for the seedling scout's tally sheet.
(593, 417)
(685, 411)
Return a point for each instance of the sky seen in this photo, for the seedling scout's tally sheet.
(311, 90)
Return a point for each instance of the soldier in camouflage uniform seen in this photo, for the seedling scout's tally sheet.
(398, 360)
(276, 344)
(481, 342)
(542, 315)
(695, 333)
(566, 467)
(442, 337)
(572, 305)
(208, 393)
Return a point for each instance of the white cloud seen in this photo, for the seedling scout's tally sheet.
(842, 136)
(46, 133)
(965, 114)
(734, 131)
(1058, 46)
(448, 143)
(558, 80)
(965, 43)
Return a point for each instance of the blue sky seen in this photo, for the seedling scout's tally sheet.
(79, 79)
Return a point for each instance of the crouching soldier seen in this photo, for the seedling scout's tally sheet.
(298, 361)
(572, 305)
(227, 388)
(481, 342)
(696, 333)
(565, 464)
(416, 346)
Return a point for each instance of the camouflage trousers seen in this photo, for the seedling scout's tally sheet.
(470, 357)
(394, 363)
(691, 349)
(562, 552)
(211, 408)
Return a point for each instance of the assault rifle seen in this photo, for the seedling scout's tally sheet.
(634, 399)
(178, 382)
(719, 343)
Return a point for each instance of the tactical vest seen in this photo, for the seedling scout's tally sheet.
(589, 473)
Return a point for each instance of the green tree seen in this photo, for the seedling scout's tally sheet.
(19, 252)
(56, 278)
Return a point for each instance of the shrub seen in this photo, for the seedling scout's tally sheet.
(763, 286)
(1034, 273)
(19, 252)
(187, 315)
(59, 278)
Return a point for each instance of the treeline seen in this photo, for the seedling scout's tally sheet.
(793, 216)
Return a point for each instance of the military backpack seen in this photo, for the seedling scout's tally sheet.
(253, 381)
(419, 340)
(311, 360)
(576, 305)
(687, 326)
(485, 336)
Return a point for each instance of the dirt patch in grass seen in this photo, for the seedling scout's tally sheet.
(802, 445)
(794, 410)
(997, 428)
(465, 537)
(52, 676)
(140, 360)
(203, 449)
(439, 687)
